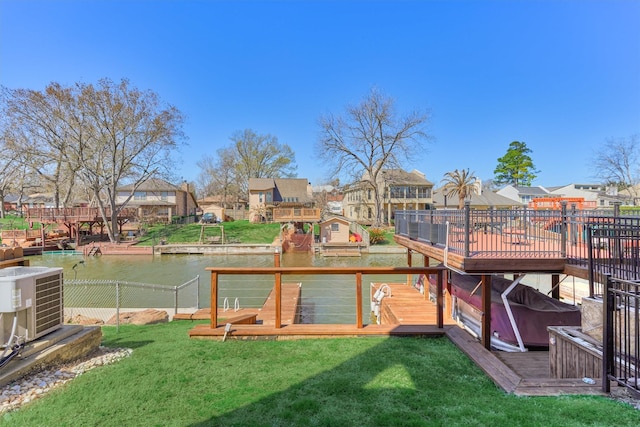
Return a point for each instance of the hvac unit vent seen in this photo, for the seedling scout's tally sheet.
(31, 297)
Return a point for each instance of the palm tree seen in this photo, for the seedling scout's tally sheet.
(460, 182)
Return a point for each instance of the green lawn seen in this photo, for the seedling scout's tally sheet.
(171, 380)
(234, 231)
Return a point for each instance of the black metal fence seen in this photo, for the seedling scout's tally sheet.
(621, 337)
(614, 250)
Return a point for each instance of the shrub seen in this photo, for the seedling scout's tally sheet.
(376, 235)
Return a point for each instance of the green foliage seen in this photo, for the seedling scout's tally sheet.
(12, 222)
(461, 183)
(234, 232)
(516, 166)
(377, 235)
(172, 380)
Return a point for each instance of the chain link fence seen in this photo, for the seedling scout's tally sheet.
(104, 300)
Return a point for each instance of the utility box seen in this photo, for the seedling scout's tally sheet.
(31, 302)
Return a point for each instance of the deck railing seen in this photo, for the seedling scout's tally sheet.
(72, 214)
(511, 233)
(296, 214)
(278, 273)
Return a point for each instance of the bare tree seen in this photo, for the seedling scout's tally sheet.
(461, 183)
(260, 156)
(218, 176)
(11, 172)
(618, 163)
(121, 136)
(35, 126)
(369, 138)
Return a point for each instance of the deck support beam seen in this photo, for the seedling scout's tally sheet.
(486, 311)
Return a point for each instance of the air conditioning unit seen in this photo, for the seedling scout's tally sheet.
(31, 299)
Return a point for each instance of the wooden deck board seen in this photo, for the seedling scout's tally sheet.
(290, 304)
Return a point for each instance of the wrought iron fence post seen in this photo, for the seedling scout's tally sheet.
(563, 229)
(589, 230)
(608, 307)
(467, 220)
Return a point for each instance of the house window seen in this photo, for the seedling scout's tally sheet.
(370, 213)
(164, 195)
(424, 192)
(335, 226)
(369, 194)
(269, 197)
(260, 197)
(140, 195)
(411, 192)
(397, 192)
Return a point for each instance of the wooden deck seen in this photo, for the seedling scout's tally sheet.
(523, 374)
(491, 254)
(124, 248)
(418, 317)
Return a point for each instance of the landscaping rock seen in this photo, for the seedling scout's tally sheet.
(145, 317)
(79, 319)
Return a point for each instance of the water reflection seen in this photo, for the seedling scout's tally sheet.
(326, 299)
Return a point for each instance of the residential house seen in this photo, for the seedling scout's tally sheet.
(267, 194)
(584, 196)
(329, 199)
(400, 190)
(524, 195)
(158, 200)
(479, 199)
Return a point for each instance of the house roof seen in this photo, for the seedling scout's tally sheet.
(258, 184)
(286, 187)
(403, 177)
(532, 191)
(293, 187)
(487, 198)
(152, 184)
(334, 218)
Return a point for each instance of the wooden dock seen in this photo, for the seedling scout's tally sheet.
(418, 318)
(407, 306)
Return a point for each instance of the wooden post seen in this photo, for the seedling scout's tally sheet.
(359, 322)
(278, 287)
(486, 311)
(555, 287)
(214, 300)
(425, 263)
(409, 262)
(439, 289)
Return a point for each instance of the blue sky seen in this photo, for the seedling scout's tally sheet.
(562, 76)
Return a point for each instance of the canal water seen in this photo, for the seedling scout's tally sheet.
(325, 299)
